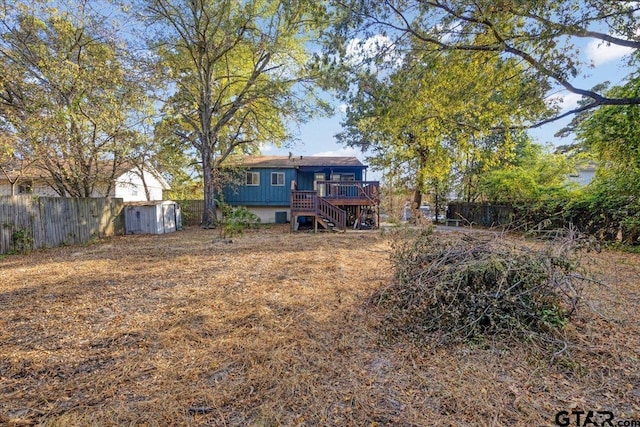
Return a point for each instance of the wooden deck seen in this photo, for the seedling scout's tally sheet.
(324, 204)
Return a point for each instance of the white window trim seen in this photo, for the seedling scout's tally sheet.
(277, 174)
(256, 175)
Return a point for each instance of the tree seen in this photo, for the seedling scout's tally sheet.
(12, 165)
(67, 95)
(534, 174)
(612, 132)
(610, 204)
(238, 69)
(434, 110)
(539, 34)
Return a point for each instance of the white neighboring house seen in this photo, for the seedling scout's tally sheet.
(584, 175)
(128, 185)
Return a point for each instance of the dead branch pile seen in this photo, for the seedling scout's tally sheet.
(474, 287)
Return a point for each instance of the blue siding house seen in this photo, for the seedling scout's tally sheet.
(328, 192)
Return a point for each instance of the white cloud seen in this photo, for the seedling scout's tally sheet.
(566, 101)
(267, 148)
(378, 46)
(599, 52)
(342, 108)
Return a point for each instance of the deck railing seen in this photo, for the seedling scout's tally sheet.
(320, 202)
(332, 213)
(304, 201)
(349, 190)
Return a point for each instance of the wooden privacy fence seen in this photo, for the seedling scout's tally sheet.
(481, 213)
(192, 211)
(30, 222)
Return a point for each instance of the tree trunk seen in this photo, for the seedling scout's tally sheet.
(147, 193)
(415, 205)
(436, 202)
(209, 214)
(419, 186)
(417, 199)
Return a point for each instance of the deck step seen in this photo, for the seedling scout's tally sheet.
(327, 223)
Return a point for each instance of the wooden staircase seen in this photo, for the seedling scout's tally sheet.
(325, 204)
(329, 216)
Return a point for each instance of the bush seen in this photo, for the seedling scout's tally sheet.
(235, 220)
(470, 288)
(22, 240)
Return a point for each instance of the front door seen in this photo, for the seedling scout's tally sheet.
(319, 188)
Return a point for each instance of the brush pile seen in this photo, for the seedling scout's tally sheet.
(476, 287)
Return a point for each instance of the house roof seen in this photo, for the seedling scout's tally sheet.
(150, 203)
(32, 172)
(27, 172)
(299, 161)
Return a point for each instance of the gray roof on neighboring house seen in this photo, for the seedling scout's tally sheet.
(299, 161)
(32, 172)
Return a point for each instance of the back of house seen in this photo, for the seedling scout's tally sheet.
(270, 184)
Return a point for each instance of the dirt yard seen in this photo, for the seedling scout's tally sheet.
(278, 329)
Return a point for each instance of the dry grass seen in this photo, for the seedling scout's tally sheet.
(276, 329)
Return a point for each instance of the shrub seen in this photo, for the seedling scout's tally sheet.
(235, 220)
(22, 240)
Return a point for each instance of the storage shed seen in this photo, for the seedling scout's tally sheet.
(153, 217)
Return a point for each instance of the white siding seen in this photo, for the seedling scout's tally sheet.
(267, 215)
(130, 188)
(583, 177)
(37, 189)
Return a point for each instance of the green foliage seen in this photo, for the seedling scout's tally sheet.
(432, 112)
(235, 220)
(184, 187)
(240, 70)
(612, 133)
(534, 175)
(539, 34)
(69, 96)
(610, 207)
(22, 240)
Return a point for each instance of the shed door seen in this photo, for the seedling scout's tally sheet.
(169, 213)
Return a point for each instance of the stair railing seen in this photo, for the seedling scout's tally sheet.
(332, 213)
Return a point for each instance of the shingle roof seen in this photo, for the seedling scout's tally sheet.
(299, 161)
(32, 172)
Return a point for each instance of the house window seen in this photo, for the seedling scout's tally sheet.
(253, 178)
(343, 177)
(277, 179)
(25, 187)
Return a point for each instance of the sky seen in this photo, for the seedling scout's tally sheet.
(317, 137)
